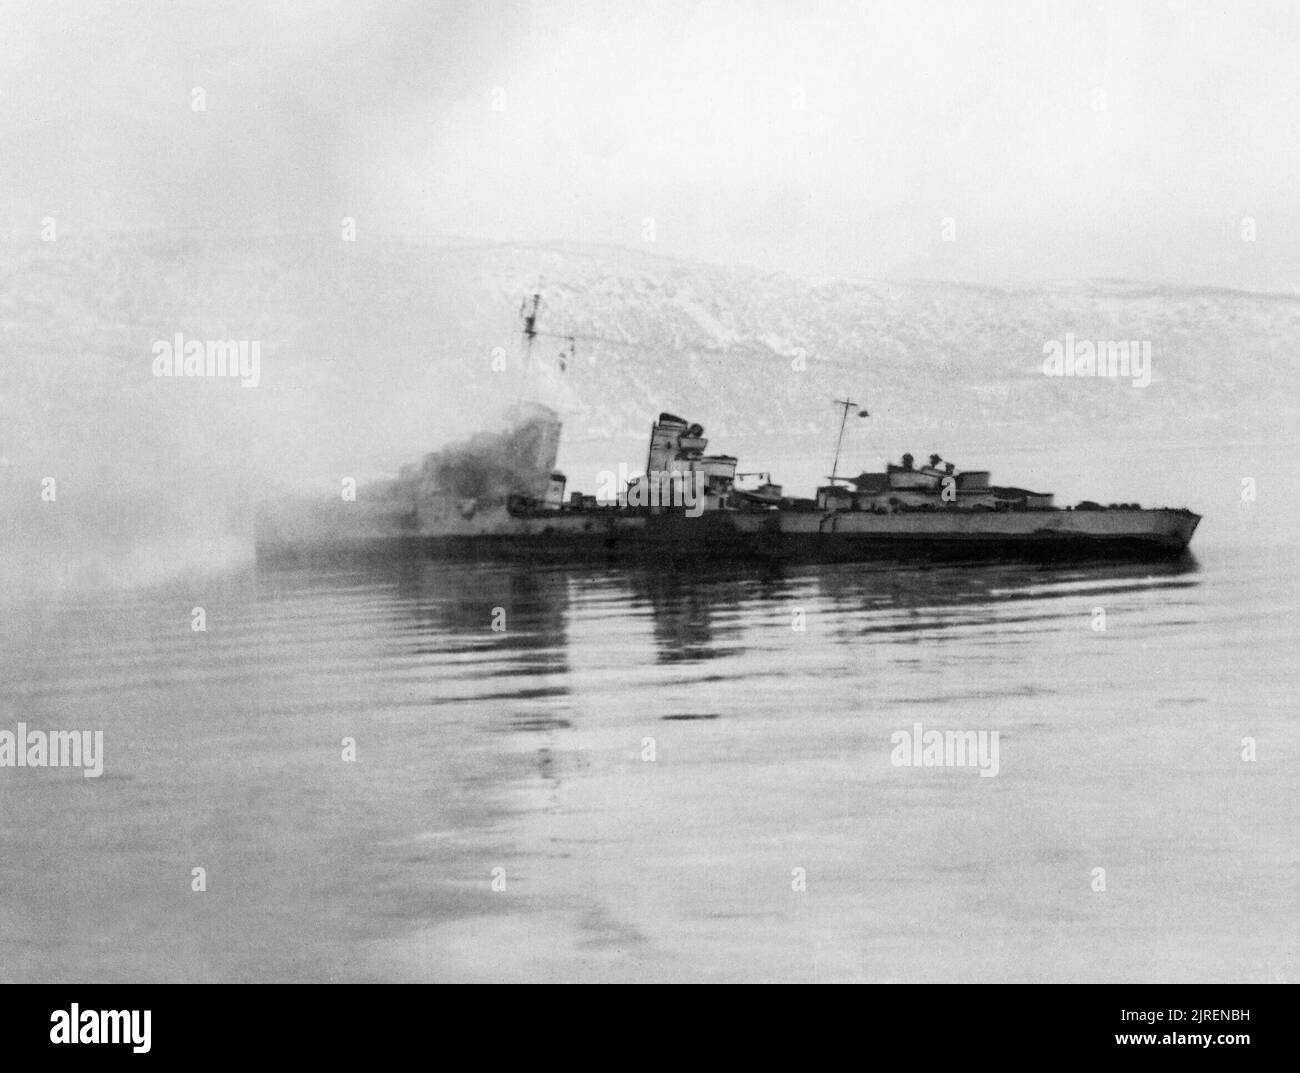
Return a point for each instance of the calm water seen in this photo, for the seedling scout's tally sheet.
(523, 750)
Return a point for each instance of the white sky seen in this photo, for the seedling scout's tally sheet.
(1066, 140)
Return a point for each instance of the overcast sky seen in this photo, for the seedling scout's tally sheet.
(1063, 140)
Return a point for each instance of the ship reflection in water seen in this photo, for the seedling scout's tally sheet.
(674, 776)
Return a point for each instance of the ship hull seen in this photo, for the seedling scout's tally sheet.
(780, 536)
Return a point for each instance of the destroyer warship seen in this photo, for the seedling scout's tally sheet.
(502, 496)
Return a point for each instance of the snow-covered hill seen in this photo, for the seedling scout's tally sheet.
(374, 352)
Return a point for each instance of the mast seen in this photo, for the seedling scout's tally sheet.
(529, 311)
(848, 405)
(530, 330)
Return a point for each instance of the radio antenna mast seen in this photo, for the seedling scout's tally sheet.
(848, 404)
(529, 311)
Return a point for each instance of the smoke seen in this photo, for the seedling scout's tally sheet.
(112, 476)
(461, 480)
(495, 465)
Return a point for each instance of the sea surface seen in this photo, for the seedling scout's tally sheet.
(655, 775)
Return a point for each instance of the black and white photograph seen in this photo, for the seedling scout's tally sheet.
(650, 491)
